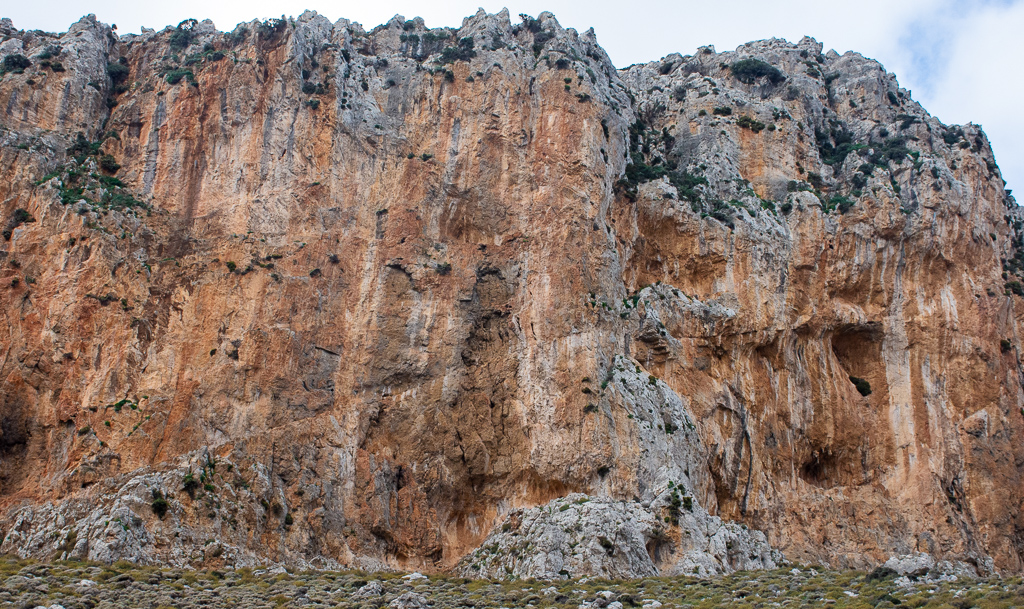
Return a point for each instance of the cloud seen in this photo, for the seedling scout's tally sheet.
(980, 81)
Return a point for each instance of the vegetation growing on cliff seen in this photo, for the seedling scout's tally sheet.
(78, 181)
(19, 217)
(863, 387)
(183, 35)
(461, 52)
(749, 70)
(15, 62)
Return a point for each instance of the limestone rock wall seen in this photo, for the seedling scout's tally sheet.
(305, 293)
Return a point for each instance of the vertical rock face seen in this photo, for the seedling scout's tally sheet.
(306, 293)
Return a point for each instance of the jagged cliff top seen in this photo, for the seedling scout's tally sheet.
(802, 64)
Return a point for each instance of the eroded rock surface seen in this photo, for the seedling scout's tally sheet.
(307, 294)
(617, 540)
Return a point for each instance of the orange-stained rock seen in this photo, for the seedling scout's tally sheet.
(355, 297)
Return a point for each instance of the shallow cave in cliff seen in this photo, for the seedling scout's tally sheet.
(659, 547)
(859, 351)
(820, 469)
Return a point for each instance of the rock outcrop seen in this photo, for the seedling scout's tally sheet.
(308, 294)
(617, 540)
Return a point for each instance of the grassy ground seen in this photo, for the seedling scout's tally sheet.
(25, 583)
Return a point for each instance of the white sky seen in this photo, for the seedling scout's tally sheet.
(963, 59)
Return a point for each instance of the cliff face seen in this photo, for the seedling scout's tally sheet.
(306, 293)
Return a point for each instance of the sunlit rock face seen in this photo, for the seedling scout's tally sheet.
(309, 294)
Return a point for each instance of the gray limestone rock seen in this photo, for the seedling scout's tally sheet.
(409, 600)
(578, 535)
(370, 590)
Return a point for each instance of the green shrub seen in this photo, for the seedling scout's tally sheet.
(109, 164)
(893, 149)
(175, 76)
(1015, 287)
(748, 123)
(835, 144)
(907, 120)
(952, 135)
(684, 182)
(723, 212)
(288, 520)
(231, 266)
(70, 195)
(159, 504)
(117, 72)
(15, 62)
(21, 216)
(843, 203)
(722, 111)
(749, 70)
(189, 483)
(237, 36)
(1005, 345)
(539, 40)
(271, 28)
(863, 387)
(529, 23)
(183, 35)
(121, 200)
(462, 52)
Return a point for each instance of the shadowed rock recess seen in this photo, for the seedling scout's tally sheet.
(473, 300)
